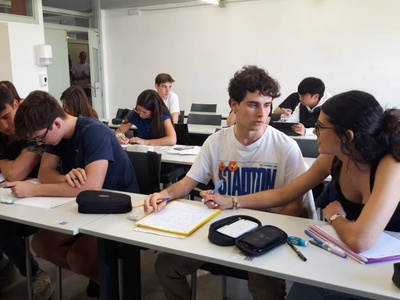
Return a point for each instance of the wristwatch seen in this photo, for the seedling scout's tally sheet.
(119, 135)
(334, 217)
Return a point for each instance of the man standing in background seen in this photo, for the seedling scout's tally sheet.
(80, 74)
(163, 85)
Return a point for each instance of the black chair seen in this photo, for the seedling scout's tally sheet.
(308, 147)
(182, 134)
(203, 107)
(181, 118)
(204, 119)
(147, 167)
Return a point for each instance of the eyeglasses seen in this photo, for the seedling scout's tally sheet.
(318, 127)
(41, 139)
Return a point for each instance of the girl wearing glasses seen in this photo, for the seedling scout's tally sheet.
(359, 147)
(152, 120)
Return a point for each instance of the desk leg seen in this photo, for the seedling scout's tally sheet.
(131, 272)
(108, 269)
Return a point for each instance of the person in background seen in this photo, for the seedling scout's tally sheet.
(163, 84)
(288, 105)
(81, 154)
(231, 119)
(153, 122)
(359, 147)
(225, 155)
(75, 103)
(312, 95)
(19, 159)
(80, 74)
(12, 89)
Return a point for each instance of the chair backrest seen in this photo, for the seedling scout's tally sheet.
(147, 170)
(203, 107)
(121, 113)
(182, 134)
(274, 118)
(308, 147)
(181, 118)
(205, 119)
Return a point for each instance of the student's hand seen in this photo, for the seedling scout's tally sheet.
(137, 140)
(287, 111)
(123, 140)
(76, 177)
(21, 189)
(299, 129)
(333, 208)
(150, 203)
(217, 201)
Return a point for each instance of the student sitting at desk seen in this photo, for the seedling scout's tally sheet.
(163, 85)
(18, 160)
(312, 95)
(359, 146)
(153, 122)
(91, 159)
(248, 145)
(75, 102)
(288, 105)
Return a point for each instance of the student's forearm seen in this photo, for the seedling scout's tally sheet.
(61, 189)
(264, 199)
(50, 176)
(181, 188)
(164, 141)
(14, 170)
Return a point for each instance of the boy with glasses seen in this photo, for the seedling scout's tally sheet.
(81, 154)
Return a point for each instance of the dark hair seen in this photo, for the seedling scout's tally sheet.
(12, 88)
(151, 101)
(311, 85)
(37, 112)
(76, 103)
(6, 97)
(251, 79)
(163, 77)
(376, 131)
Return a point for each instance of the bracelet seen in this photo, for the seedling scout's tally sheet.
(235, 203)
(120, 135)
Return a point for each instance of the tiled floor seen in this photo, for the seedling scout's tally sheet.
(74, 286)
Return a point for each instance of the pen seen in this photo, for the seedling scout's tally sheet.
(158, 202)
(311, 235)
(327, 248)
(216, 188)
(299, 254)
(3, 181)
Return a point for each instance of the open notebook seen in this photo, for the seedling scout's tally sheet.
(386, 248)
(179, 218)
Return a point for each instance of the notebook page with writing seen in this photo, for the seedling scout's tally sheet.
(386, 248)
(179, 218)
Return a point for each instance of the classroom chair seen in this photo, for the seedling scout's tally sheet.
(181, 118)
(204, 119)
(203, 107)
(308, 147)
(182, 134)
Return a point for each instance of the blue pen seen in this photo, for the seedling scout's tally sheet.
(219, 184)
(311, 235)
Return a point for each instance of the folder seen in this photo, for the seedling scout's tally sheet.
(386, 248)
(179, 217)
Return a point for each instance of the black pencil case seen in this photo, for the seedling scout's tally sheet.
(220, 239)
(102, 202)
(261, 240)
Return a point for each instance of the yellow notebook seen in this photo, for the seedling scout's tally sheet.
(179, 218)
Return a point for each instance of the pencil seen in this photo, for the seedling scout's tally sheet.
(158, 202)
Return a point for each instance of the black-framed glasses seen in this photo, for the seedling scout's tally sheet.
(318, 127)
(41, 139)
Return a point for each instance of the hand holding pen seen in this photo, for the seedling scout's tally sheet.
(154, 202)
(210, 202)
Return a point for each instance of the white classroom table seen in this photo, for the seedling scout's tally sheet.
(322, 268)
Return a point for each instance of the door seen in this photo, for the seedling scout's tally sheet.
(95, 72)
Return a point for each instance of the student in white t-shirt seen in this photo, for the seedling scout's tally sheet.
(250, 156)
(163, 84)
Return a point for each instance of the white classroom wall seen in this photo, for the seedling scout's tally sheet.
(349, 44)
(23, 37)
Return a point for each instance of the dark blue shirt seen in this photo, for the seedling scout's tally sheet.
(144, 126)
(92, 141)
